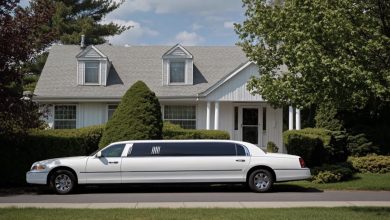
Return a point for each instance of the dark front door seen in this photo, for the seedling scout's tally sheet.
(250, 125)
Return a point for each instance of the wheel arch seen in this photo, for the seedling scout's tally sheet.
(257, 167)
(61, 168)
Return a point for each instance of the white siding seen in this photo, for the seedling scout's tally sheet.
(178, 52)
(103, 71)
(235, 88)
(92, 53)
(80, 73)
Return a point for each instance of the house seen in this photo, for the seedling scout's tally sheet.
(199, 87)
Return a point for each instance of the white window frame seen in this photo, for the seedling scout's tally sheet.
(108, 108)
(54, 116)
(99, 72)
(170, 119)
(169, 71)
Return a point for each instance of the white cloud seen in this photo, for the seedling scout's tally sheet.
(228, 24)
(131, 36)
(196, 26)
(189, 38)
(201, 7)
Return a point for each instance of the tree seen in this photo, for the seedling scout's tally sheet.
(138, 117)
(23, 33)
(76, 17)
(336, 52)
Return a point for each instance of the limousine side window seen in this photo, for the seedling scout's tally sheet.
(113, 151)
(185, 149)
(241, 150)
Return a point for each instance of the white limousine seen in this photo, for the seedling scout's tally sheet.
(170, 161)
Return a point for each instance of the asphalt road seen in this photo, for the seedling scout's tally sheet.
(188, 193)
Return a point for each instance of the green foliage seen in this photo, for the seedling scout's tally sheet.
(359, 145)
(172, 132)
(45, 144)
(333, 52)
(316, 146)
(331, 173)
(138, 117)
(371, 163)
(326, 117)
(271, 147)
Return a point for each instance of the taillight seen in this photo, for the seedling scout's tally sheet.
(302, 162)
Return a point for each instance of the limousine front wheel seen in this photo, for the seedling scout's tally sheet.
(260, 180)
(62, 181)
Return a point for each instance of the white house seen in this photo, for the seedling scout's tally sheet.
(199, 87)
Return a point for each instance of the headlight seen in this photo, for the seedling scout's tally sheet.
(38, 167)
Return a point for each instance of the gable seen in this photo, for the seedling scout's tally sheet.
(235, 88)
(91, 52)
(177, 51)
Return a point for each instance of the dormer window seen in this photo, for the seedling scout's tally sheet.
(177, 66)
(93, 67)
(92, 72)
(177, 72)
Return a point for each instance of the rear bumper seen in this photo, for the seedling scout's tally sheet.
(292, 174)
(36, 177)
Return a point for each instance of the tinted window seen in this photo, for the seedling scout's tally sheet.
(113, 151)
(184, 149)
(240, 150)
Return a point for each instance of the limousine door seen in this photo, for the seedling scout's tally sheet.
(184, 162)
(106, 168)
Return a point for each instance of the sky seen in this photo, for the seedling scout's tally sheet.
(168, 22)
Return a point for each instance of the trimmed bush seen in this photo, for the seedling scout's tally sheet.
(138, 117)
(271, 147)
(175, 132)
(359, 145)
(315, 145)
(45, 144)
(371, 163)
(331, 173)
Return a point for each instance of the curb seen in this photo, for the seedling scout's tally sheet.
(140, 205)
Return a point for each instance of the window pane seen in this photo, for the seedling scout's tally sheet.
(113, 151)
(58, 124)
(176, 72)
(240, 150)
(145, 149)
(111, 110)
(236, 118)
(65, 116)
(92, 72)
(264, 119)
(185, 116)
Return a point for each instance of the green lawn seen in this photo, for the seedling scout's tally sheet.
(223, 214)
(359, 182)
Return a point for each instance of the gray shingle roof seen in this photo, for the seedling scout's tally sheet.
(129, 64)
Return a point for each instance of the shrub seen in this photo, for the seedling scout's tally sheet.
(326, 117)
(44, 144)
(271, 147)
(371, 163)
(330, 173)
(359, 145)
(172, 132)
(138, 117)
(315, 145)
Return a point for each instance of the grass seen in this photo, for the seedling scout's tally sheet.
(223, 214)
(359, 182)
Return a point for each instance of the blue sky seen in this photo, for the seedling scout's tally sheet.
(167, 22)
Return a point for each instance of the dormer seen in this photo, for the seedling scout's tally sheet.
(92, 67)
(178, 66)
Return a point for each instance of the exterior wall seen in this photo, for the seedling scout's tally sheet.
(235, 88)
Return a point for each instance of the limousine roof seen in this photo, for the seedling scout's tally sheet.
(253, 149)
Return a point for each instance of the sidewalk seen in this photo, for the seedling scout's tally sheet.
(201, 204)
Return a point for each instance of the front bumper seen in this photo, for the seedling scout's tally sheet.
(34, 177)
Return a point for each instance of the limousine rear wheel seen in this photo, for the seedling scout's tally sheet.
(260, 180)
(63, 181)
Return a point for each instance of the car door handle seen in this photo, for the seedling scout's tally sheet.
(240, 160)
(113, 162)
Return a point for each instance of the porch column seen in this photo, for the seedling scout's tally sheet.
(216, 116)
(208, 116)
(297, 119)
(290, 118)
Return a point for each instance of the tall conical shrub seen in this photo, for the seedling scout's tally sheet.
(138, 117)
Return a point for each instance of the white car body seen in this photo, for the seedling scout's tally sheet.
(171, 169)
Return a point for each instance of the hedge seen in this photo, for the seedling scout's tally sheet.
(315, 145)
(331, 173)
(45, 144)
(371, 163)
(171, 132)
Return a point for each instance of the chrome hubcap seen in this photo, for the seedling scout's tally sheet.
(261, 180)
(63, 183)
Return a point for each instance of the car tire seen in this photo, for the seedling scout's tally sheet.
(260, 180)
(63, 182)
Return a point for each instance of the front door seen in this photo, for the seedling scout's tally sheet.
(251, 125)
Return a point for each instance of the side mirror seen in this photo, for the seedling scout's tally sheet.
(99, 154)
